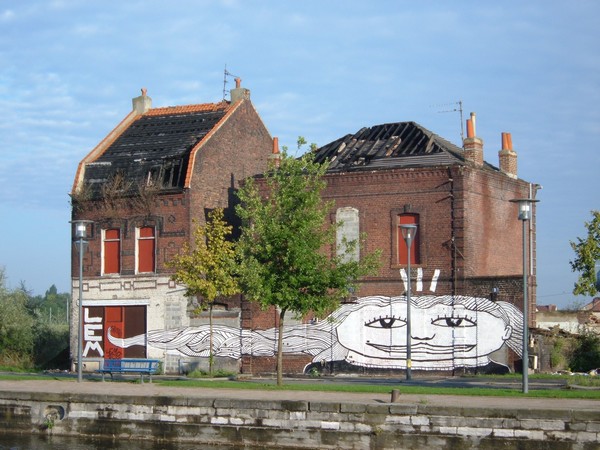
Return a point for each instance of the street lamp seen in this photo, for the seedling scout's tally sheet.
(525, 205)
(80, 238)
(409, 231)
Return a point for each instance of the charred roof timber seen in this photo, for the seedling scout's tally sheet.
(408, 144)
(155, 148)
(392, 145)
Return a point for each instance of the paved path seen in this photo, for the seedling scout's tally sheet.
(71, 386)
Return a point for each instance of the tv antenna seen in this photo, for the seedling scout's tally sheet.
(226, 74)
(456, 106)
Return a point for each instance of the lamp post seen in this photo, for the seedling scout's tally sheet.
(80, 238)
(525, 215)
(409, 232)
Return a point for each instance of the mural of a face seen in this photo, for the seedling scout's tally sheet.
(444, 331)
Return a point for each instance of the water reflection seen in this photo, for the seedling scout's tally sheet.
(37, 442)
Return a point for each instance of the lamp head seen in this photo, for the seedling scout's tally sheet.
(409, 231)
(80, 228)
(524, 207)
(80, 231)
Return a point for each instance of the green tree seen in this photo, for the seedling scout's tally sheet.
(286, 244)
(52, 308)
(587, 253)
(207, 270)
(16, 325)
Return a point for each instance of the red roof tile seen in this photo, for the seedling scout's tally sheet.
(204, 107)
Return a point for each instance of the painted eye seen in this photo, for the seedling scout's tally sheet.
(386, 322)
(453, 322)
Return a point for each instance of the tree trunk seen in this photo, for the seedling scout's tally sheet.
(280, 349)
(210, 340)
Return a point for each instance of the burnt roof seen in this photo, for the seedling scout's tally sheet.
(391, 145)
(155, 148)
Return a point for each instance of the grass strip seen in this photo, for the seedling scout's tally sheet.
(371, 388)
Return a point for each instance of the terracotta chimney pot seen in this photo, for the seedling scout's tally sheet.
(473, 145)
(470, 131)
(275, 156)
(507, 156)
(506, 141)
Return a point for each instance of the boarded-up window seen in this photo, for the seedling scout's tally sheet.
(415, 257)
(104, 327)
(113, 325)
(112, 251)
(347, 234)
(146, 250)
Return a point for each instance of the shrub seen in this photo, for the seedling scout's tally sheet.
(196, 374)
(586, 355)
(11, 361)
(220, 373)
(50, 340)
(557, 357)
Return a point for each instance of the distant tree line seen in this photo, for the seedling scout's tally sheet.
(34, 330)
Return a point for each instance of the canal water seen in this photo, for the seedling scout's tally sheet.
(36, 442)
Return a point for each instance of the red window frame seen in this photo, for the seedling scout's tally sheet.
(112, 251)
(146, 250)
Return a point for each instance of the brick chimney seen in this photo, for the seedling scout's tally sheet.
(275, 157)
(473, 145)
(239, 92)
(508, 157)
(142, 103)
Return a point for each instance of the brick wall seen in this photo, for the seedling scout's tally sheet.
(240, 148)
(492, 228)
(468, 230)
(168, 215)
(380, 197)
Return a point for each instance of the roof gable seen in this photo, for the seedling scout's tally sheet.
(402, 144)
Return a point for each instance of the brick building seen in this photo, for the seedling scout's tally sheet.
(467, 227)
(467, 254)
(160, 169)
(142, 188)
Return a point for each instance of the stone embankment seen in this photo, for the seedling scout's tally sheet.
(296, 419)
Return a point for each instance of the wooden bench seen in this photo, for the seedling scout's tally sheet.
(141, 366)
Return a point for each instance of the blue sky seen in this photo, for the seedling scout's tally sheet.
(321, 69)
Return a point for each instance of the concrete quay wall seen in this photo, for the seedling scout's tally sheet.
(297, 423)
